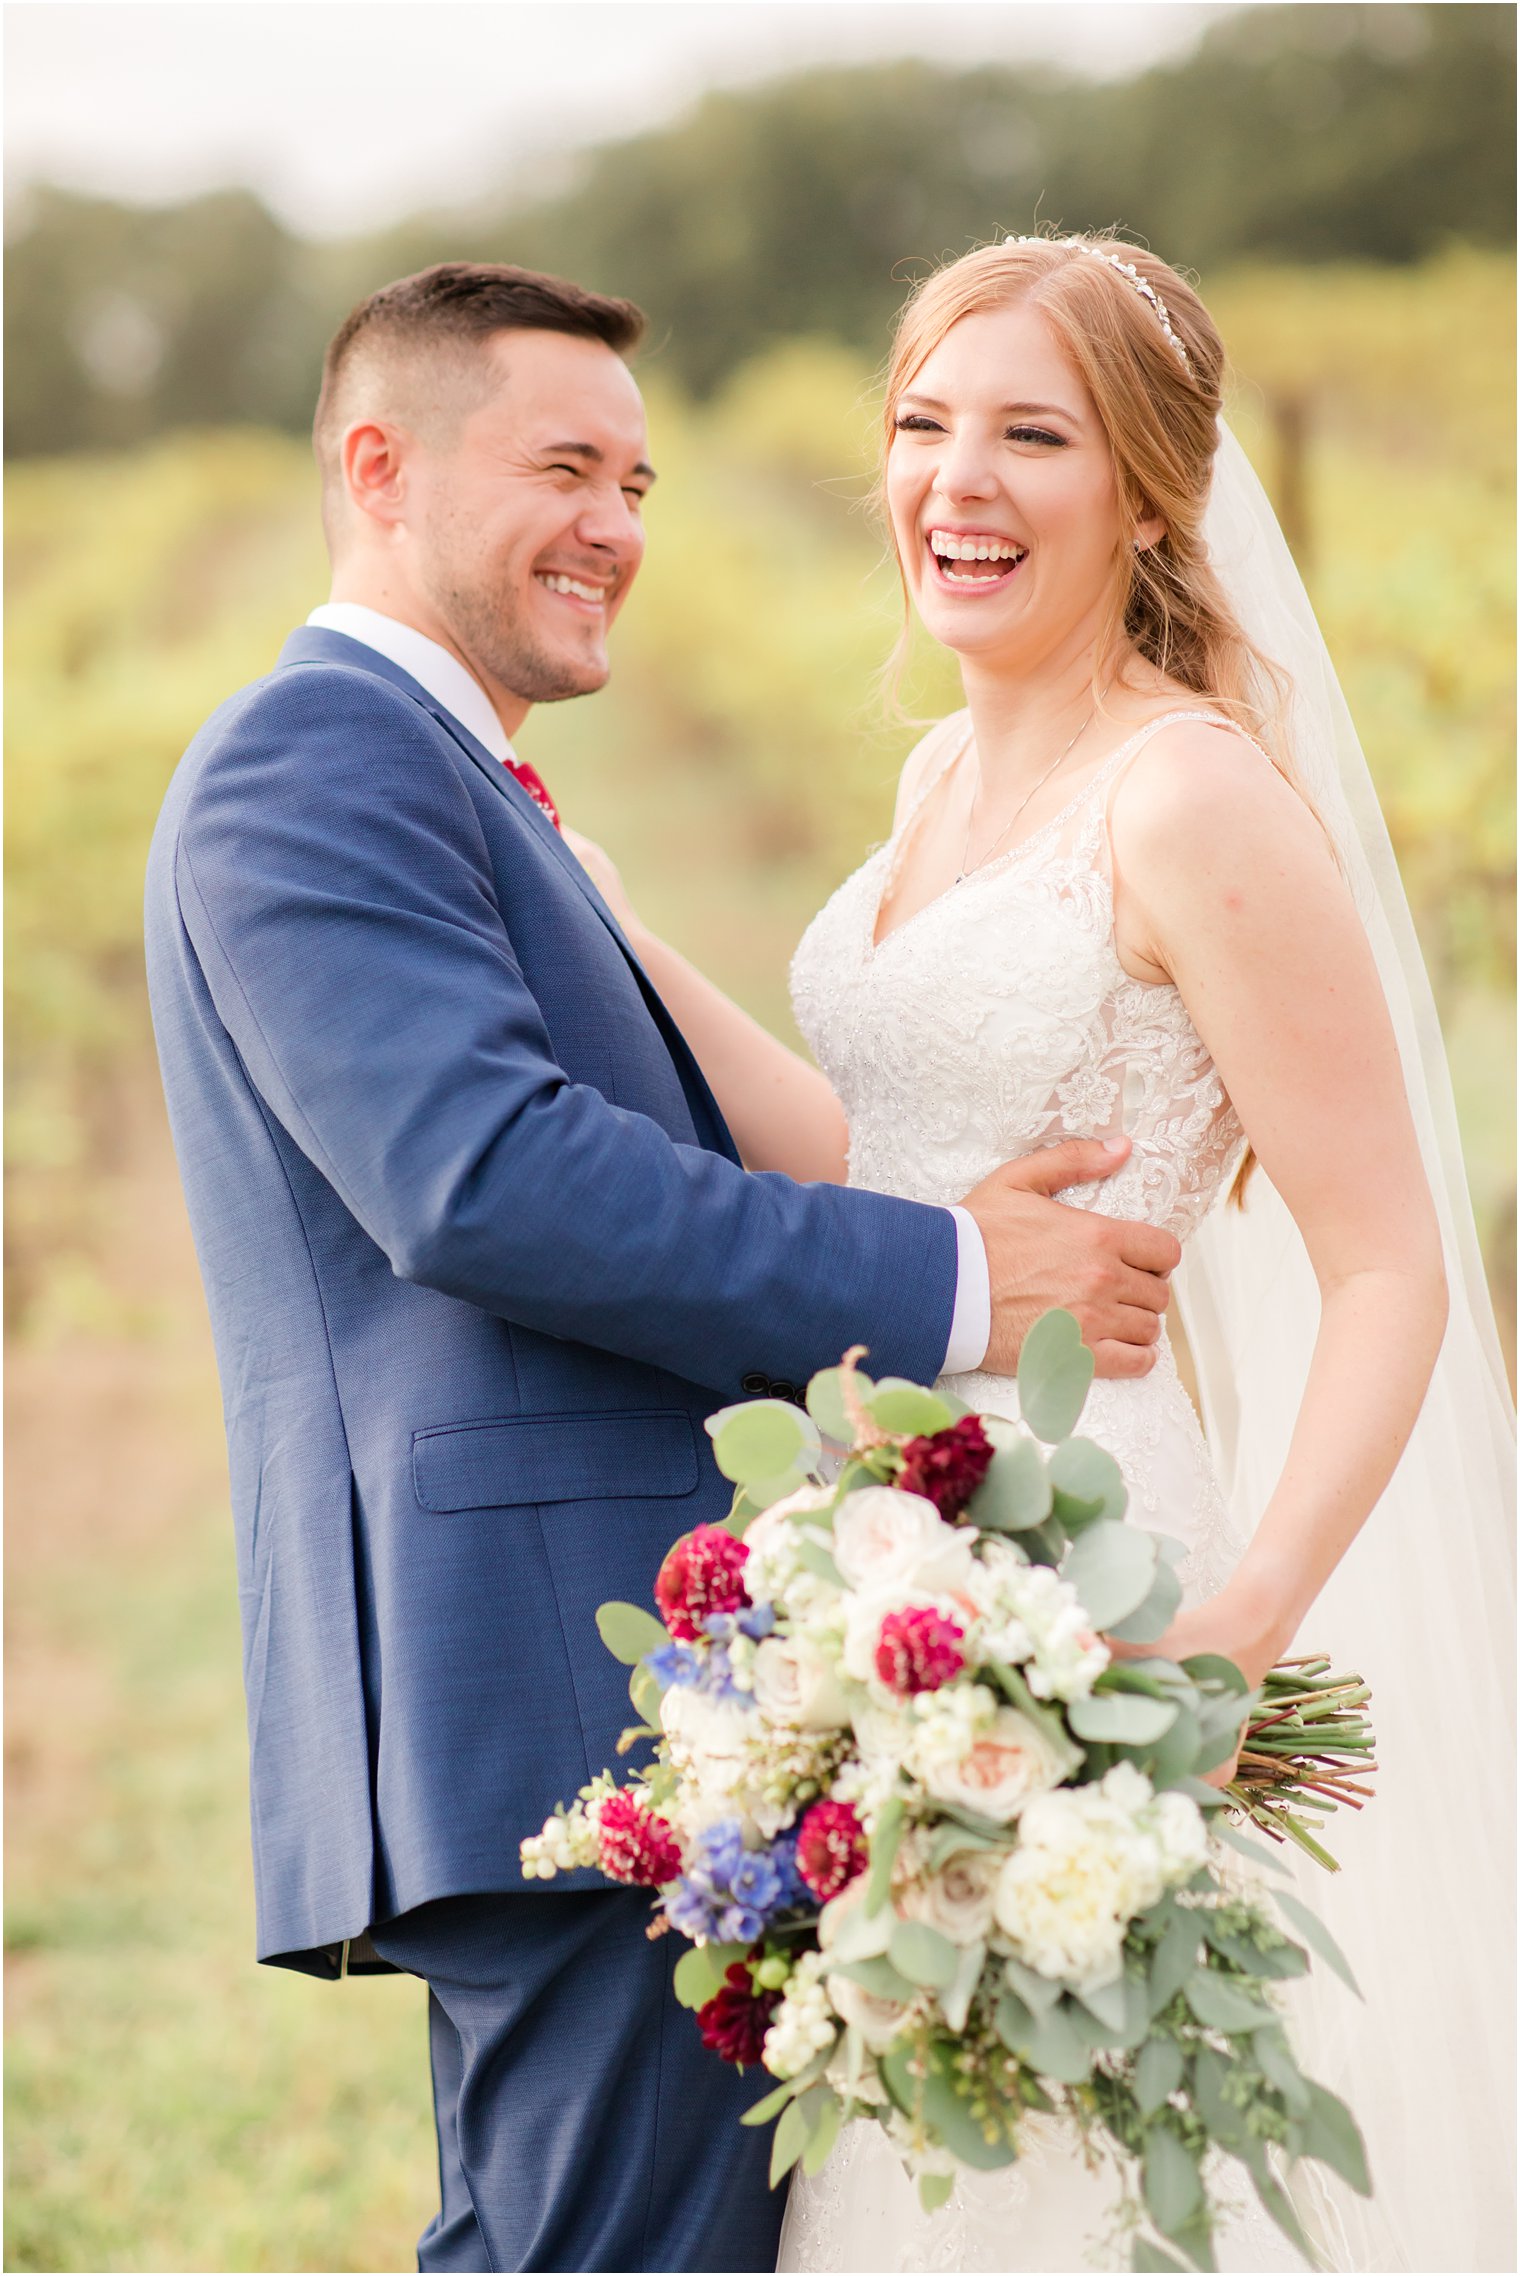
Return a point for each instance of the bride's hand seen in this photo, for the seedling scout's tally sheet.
(1238, 1624)
(603, 873)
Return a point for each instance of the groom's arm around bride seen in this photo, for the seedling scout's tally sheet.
(480, 1256)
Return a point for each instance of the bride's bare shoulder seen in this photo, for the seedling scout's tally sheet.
(1198, 788)
(927, 757)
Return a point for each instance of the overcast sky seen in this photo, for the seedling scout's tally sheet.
(346, 114)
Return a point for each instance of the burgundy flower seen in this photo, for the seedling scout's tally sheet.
(919, 1650)
(703, 1573)
(947, 1468)
(735, 2020)
(831, 1848)
(635, 1845)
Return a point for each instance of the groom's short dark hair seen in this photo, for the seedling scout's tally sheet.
(438, 317)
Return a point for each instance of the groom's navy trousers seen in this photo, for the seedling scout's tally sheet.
(480, 1258)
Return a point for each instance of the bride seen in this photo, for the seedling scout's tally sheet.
(1139, 885)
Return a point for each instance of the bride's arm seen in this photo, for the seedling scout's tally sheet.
(781, 1110)
(1225, 884)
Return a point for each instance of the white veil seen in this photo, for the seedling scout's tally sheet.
(1422, 1604)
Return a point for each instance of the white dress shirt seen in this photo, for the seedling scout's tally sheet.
(461, 694)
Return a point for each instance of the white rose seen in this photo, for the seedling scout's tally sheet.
(885, 1539)
(958, 1899)
(795, 1683)
(707, 1739)
(1181, 1836)
(1068, 1892)
(1007, 1765)
(773, 1540)
(876, 2020)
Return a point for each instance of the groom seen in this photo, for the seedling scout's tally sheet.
(480, 1257)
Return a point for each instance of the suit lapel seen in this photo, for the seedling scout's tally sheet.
(313, 644)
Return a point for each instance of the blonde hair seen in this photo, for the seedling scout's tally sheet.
(1160, 415)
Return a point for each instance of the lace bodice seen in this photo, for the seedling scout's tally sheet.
(998, 1019)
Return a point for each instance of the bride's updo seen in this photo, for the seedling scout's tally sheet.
(1156, 380)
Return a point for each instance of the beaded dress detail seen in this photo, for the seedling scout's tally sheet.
(996, 1020)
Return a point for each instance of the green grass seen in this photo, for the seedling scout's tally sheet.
(171, 2105)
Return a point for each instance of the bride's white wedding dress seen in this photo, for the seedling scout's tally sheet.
(995, 1021)
(998, 1019)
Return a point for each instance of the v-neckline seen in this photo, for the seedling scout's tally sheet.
(898, 840)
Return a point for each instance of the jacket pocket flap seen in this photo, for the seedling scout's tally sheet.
(639, 1456)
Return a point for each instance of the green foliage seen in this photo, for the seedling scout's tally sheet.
(1055, 1371)
(1288, 134)
(733, 765)
(628, 1631)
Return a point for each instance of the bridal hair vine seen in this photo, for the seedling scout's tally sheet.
(1129, 272)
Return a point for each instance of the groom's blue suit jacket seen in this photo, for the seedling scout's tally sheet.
(479, 1256)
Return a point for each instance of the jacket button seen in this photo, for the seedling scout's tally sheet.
(756, 1385)
(788, 1391)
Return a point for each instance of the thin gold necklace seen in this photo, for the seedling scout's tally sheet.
(966, 871)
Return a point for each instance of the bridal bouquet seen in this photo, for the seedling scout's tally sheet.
(943, 1860)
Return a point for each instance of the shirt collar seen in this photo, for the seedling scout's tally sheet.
(431, 666)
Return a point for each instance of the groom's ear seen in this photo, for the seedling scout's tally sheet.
(374, 456)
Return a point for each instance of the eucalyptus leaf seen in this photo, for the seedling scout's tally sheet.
(1155, 1612)
(1332, 2135)
(907, 1409)
(953, 1838)
(699, 1973)
(1221, 2004)
(1087, 1482)
(879, 1978)
(1212, 1668)
(1057, 2049)
(1158, 2074)
(1045, 1544)
(1280, 2070)
(955, 2000)
(932, 2092)
(1170, 1761)
(646, 1691)
(1317, 1936)
(1170, 2179)
(934, 2190)
(1173, 1960)
(1276, 1963)
(760, 1440)
(922, 1955)
(1050, 1725)
(1014, 2023)
(1016, 1493)
(1106, 2002)
(825, 1403)
(1223, 1830)
(1037, 1992)
(1055, 1370)
(788, 2142)
(1226, 2123)
(1112, 1567)
(1120, 1718)
(628, 1631)
(1147, 2256)
(760, 2113)
(824, 2135)
(884, 1841)
(1278, 2203)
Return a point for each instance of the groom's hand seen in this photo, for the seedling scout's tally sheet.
(1040, 1253)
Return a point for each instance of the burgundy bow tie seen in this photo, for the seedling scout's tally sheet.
(533, 783)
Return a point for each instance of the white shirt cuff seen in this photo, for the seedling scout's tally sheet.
(971, 1321)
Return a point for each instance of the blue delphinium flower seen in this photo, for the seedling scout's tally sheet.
(674, 1663)
(728, 1893)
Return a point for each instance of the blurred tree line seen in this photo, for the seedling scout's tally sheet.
(1289, 134)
